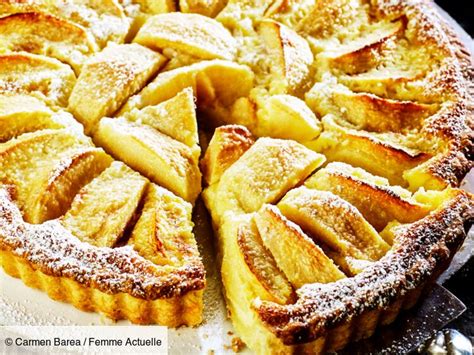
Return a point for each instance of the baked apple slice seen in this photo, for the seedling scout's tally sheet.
(208, 8)
(367, 111)
(362, 54)
(335, 223)
(290, 54)
(255, 172)
(286, 117)
(45, 78)
(159, 157)
(104, 208)
(384, 154)
(192, 34)
(31, 32)
(163, 233)
(46, 169)
(372, 195)
(22, 113)
(109, 78)
(175, 117)
(227, 145)
(295, 253)
(105, 19)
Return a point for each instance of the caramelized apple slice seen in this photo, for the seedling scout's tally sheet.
(249, 271)
(36, 75)
(363, 54)
(367, 111)
(109, 78)
(378, 202)
(263, 174)
(21, 114)
(31, 32)
(175, 117)
(164, 232)
(162, 159)
(104, 19)
(214, 82)
(193, 34)
(245, 255)
(334, 222)
(104, 208)
(295, 253)
(290, 53)
(227, 145)
(208, 8)
(287, 117)
(381, 154)
(46, 169)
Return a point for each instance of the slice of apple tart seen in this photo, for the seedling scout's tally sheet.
(310, 268)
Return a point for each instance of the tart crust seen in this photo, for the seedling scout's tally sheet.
(117, 282)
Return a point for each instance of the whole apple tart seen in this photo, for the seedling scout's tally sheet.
(327, 139)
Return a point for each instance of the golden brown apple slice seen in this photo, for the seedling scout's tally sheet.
(164, 232)
(214, 82)
(108, 78)
(31, 32)
(245, 255)
(36, 75)
(287, 117)
(47, 168)
(208, 8)
(290, 54)
(263, 174)
(193, 34)
(295, 253)
(21, 114)
(367, 111)
(249, 271)
(331, 220)
(362, 54)
(386, 155)
(105, 19)
(175, 117)
(227, 145)
(162, 159)
(372, 195)
(104, 208)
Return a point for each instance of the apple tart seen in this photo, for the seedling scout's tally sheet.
(331, 138)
